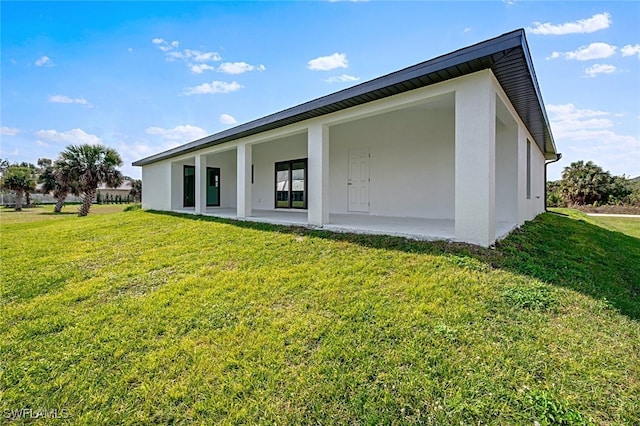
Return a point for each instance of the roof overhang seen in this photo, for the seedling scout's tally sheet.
(507, 56)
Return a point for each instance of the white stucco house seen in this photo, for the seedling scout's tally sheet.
(452, 148)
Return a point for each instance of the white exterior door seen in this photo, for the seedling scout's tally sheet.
(359, 180)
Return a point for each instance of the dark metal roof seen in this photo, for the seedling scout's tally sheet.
(507, 56)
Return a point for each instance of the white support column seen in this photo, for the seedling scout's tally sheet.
(318, 175)
(523, 206)
(201, 184)
(475, 160)
(244, 180)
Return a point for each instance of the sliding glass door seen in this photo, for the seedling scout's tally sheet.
(291, 184)
(282, 185)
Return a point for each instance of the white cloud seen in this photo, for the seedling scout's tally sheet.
(567, 120)
(239, 67)
(62, 99)
(163, 139)
(9, 131)
(196, 60)
(179, 134)
(597, 22)
(44, 61)
(596, 69)
(138, 149)
(164, 45)
(585, 53)
(5, 153)
(327, 63)
(466, 30)
(612, 151)
(191, 56)
(132, 151)
(200, 68)
(212, 88)
(591, 134)
(199, 56)
(570, 128)
(73, 136)
(227, 119)
(342, 78)
(571, 112)
(630, 50)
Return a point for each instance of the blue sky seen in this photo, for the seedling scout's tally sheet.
(143, 77)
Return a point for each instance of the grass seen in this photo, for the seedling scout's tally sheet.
(630, 226)
(141, 317)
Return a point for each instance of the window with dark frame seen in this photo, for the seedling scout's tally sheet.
(291, 184)
(189, 186)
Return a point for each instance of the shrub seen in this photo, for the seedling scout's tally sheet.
(133, 207)
(535, 297)
(549, 411)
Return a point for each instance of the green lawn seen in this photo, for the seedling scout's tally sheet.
(629, 226)
(141, 317)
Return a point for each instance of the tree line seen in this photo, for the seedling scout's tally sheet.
(587, 184)
(78, 170)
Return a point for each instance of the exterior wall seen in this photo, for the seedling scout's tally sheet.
(528, 209)
(507, 167)
(226, 162)
(265, 155)
(538, 183)
(177, 188)
(156, 178)
(411, 164)
(454, 150)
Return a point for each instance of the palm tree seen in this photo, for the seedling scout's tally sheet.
(47, 178)
(136, 189)
(92, 165)
(19, 179)
(59, 179)
(34, 173)
(584, 183)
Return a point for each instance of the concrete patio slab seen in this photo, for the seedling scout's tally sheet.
(407, 227)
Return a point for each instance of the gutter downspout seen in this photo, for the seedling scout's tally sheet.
(546, 163)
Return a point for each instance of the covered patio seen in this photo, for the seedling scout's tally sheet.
(406, 227)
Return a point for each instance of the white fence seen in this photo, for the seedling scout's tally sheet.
(9, 199)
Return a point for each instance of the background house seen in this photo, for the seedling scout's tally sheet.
(122, 190)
